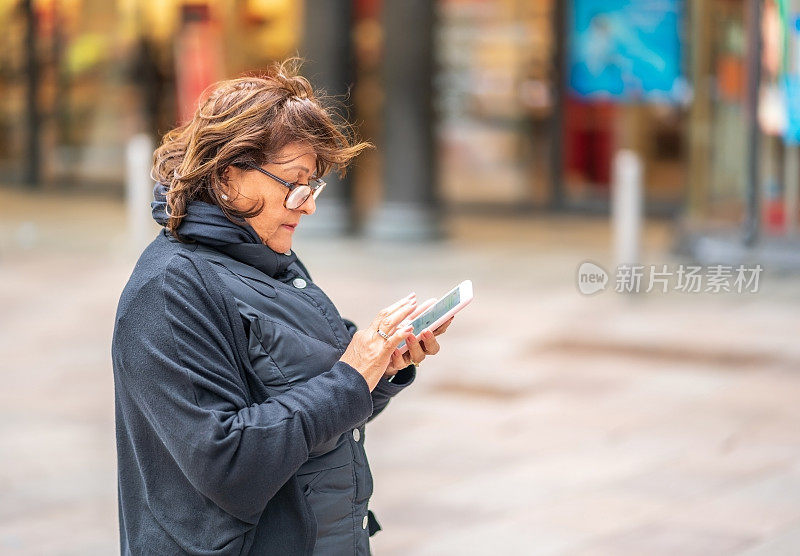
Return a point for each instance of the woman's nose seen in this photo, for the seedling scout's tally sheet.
(309, 206)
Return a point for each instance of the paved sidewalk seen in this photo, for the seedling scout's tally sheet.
(550, 423)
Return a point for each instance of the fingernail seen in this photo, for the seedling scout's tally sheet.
(410, 338)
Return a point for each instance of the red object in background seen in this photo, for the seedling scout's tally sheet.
(774, 216)
(589, 141)
(730, 78)
(363, 9)
(198, 58)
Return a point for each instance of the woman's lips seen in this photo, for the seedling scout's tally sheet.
(290, 226)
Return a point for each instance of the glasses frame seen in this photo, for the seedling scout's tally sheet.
(315, 188)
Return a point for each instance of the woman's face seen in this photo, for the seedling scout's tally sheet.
(275, 225)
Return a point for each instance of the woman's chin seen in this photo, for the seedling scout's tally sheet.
(280, 246)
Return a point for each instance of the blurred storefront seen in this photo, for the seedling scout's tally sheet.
(744, 160)
(107, 70)
(519, 129)
(80, 77)
(536, 98)
(510, 136)
(494, 90)
(533, 98)
(626, 87)
(718, 161)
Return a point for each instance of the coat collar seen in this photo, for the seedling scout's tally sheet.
(207, 225)
(260, 257)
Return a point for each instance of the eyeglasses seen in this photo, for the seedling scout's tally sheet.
(298, 192)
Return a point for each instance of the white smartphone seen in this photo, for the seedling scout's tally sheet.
(444, 308)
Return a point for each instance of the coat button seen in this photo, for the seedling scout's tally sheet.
(356, 435)
(364, 523)
(299, 283)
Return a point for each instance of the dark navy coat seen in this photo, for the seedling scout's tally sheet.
(239, 431)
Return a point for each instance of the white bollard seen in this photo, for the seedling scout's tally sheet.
(626, 207)
(792, 183)
(139, 190)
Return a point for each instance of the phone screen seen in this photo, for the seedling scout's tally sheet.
(434, 313)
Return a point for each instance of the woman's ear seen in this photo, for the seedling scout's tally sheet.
(230, 178)
(226, 174)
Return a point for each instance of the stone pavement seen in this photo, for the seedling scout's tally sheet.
(550, 423)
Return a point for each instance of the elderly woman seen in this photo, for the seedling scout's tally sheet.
(241, 393)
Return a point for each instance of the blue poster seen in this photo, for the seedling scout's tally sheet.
(791, 85)
(791, 93)
(627, 50)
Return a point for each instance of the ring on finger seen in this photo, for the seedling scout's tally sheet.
(383, 335)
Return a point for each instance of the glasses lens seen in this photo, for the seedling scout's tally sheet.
(298, 196)
(318, 190)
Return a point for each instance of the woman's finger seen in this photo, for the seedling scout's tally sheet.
(387, 314)
(422, 307)
(397, 304)
(415, 351)
(398, 336)
(443, 328)
(398, 361)
(430, 344)
(392, 322)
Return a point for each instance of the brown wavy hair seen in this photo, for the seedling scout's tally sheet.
(249, 120)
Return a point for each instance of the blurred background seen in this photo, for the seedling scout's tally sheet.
(516, 139)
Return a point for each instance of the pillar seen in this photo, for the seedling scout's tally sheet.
(328, 65)
(410, 208)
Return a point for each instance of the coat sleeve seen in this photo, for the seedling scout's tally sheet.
(385, 390)
(177, 358)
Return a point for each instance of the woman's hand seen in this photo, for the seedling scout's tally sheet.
(418, 346)
(369, 352)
